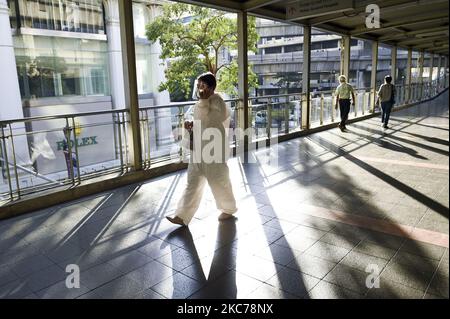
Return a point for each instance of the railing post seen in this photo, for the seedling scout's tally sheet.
(332, 107)
(356, 104)
(3, 140)
(269, 119)
(363, 109)
(119, 132)
(14, 160)
(403, 88)
(145, 137)
(286, 116)
(181, 130)
(67, 131)
(321, 109)
(76, 149)
(143, 123)
(149, 132)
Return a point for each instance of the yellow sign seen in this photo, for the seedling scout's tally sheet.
(77, 128)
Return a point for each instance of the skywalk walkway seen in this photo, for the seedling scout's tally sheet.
(323, 216)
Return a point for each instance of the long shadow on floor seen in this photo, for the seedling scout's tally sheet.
(288, 282)
(434, 140)
(219, 282)
(399, 148)
(354, 236)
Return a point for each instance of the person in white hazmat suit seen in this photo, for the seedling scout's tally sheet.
(208, 158)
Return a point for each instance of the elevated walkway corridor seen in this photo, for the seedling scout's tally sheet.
(361, 214)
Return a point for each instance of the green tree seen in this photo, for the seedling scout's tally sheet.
(192, 38)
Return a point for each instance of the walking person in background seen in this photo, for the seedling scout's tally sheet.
(386, 94)
(343, 92)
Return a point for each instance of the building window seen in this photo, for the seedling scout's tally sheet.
(49, 67)
(98, 81)
(64, 15)
(273, 50)
(293, 48)
(12, 13)
(316, 46)
(330, 44)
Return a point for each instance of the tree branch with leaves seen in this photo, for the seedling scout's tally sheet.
(192, 39)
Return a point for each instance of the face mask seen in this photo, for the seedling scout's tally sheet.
(201, 91)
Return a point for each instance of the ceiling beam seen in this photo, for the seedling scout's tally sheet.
(432, 44)
(420, 40)
(357, 11)
(255, 4)
(333, 15)
(436, 30)
(385, 6)
(278, 16)
(228, 5)
(333, 29)
(435, 17)
(269, 14)
(428, 47)
(441, 51)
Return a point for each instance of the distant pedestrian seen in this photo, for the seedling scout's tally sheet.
(343, 92)
(386, 94)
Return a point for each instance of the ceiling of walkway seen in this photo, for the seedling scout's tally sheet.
(419, 24)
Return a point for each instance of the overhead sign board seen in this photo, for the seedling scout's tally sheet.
(303, 9)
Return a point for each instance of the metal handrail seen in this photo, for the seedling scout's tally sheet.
(119, 121)
(60, 116)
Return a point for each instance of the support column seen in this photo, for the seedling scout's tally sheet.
(243, 109)
(430, 75)
(438, 79)
(11, 102)
(408, 75)
(445, 72)
(114, 53)
(421, 63)
(306, 76)
(394, 64)
(345, 56)
(129, 76)
(444, 64)
(373, 78)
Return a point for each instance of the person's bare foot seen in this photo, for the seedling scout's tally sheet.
(225, 216)
(176, 220)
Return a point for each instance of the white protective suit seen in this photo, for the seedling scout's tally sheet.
(210, 113)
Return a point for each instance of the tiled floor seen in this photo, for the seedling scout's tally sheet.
(324, 216)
